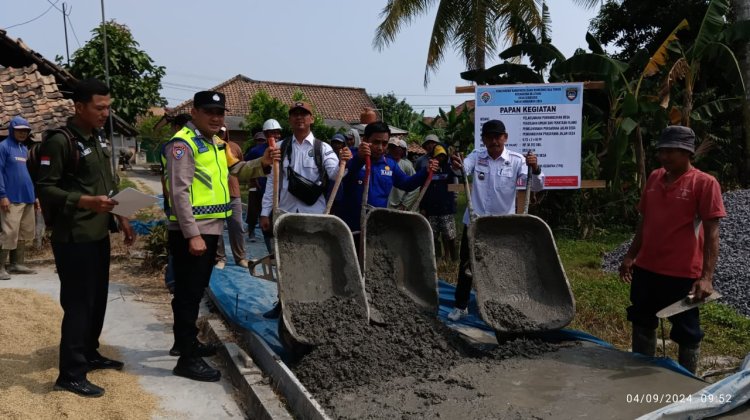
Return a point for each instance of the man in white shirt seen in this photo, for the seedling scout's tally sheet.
(496, 173)
(299, 156)
(301, 159)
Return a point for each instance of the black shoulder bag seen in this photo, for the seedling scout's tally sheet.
(302, 188)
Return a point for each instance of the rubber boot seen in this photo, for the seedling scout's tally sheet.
(17, 259)
(644, 341)
(689, 356)
(3, 257)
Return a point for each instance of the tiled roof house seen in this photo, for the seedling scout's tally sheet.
(37, 88)
(331, 102)
(339, 106)
(26, 92)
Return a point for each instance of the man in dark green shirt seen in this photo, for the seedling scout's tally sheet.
(76, 183)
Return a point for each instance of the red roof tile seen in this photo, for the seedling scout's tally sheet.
(331, 102)
(25, 92)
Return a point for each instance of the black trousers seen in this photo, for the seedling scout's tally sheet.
(464, 280)
(191, 274)
(83, 269)
(651, 292)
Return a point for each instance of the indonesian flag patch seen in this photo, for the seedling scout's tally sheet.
(44, 160)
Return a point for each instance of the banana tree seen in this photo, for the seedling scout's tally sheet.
(712, 47)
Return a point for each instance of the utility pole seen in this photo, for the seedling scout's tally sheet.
(111, 115)
(65, 27)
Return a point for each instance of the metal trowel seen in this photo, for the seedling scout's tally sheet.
(686, 304)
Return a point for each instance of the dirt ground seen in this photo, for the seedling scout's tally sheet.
(28, 377)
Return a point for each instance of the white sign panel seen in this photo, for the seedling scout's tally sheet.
(545, 119)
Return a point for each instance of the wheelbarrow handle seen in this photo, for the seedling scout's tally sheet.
(426, 184)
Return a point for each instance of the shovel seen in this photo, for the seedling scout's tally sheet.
(316, 262)
(399, 247)
(519, 279)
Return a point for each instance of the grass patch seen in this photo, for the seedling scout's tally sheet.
(126, 182)
(601, 300)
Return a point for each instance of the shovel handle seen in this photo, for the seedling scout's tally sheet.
(339, 177)
(467, 189)
(275, 208)
(365, 192)
(426, 184)
(527, 195)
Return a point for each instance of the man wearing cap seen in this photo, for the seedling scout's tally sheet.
(338, 142)
(299, 155)
(234, 222)
(17, 199)
(675, 248)
(400, 199)
(429, 143)
(384, 175)
(496, 171)
(197, 169)
(439, 205)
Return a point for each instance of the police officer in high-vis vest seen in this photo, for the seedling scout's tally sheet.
(197, 187)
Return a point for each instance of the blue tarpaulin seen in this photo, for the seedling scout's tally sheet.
(244, 299)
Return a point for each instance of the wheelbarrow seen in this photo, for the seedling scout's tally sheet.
(398, 246)
(316, 265)
(520, 283)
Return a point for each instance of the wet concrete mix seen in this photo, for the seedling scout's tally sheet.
(405, 368)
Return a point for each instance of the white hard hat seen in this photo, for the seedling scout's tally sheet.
(271, 125)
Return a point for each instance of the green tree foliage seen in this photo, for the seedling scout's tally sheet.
(134, 78)
(631, 25)
(263, 107)
(455, 128)
(399, 113)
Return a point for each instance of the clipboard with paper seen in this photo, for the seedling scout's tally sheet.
(130, 200)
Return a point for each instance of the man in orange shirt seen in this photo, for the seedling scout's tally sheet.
(675, 248)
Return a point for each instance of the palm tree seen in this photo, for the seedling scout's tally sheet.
(473, 27)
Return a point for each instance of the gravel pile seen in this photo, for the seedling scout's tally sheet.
(732, 277)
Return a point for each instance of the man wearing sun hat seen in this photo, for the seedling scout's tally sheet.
(17, 199)
(439, 205)
(428, 144)
(675, 248)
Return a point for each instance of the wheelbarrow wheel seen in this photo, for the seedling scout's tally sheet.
(295, 349)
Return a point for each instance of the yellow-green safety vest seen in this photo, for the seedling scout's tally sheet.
(209, 193)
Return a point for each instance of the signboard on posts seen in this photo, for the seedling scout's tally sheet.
(543, 118)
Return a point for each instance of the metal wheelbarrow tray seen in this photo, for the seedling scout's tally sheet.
(317, 265)
(399, 247)
(519, 279)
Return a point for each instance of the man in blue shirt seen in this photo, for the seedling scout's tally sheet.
(384, 175)
(17, 218)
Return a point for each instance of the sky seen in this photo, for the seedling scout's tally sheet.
(329, 42)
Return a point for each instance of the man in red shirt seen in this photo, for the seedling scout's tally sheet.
(675, 248)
